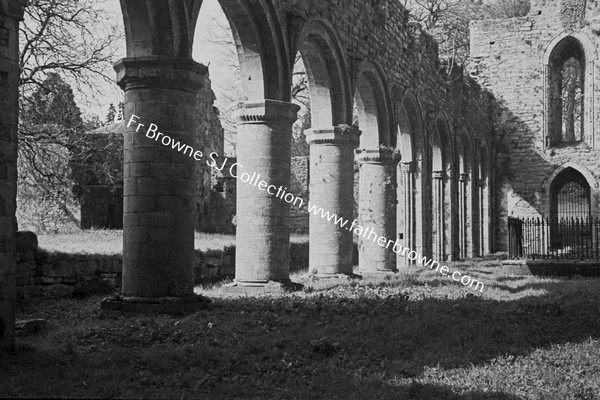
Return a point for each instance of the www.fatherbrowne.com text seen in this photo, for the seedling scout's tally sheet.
(254, 179)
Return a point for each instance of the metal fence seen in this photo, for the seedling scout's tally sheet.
(544, 238)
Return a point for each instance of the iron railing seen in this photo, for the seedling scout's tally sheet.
(544, 238)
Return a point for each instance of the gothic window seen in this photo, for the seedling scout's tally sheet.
(566, 97)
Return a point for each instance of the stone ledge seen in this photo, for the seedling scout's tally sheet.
(114, 306)
(258, 288)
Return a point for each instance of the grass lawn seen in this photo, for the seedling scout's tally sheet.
(411, 335)
(110, 242)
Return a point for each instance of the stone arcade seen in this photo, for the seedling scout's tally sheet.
(427, 140)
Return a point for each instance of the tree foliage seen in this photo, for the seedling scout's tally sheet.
(448, 20)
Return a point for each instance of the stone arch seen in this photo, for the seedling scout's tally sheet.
(442, 194)
(166, 28)
(410, 143)
(372, 104)
(441, 145)
(591, 179)
(566, 46)
(328, 76)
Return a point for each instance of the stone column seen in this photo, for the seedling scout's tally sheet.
(9, 108)
(377, 209)
(159, 182)
(263, 232)
(406, 234)
(463, 212)
(480, 197)
(484, 217)
(438, 215)
(331, 189)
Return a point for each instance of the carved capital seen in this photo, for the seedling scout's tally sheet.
(160, 72)
(340, 134)
(439, 175)
(464, 177)
(407, 168)
(383, 155)
(267, 111)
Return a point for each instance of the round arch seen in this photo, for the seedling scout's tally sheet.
(166, 28)
(372, 105)
(327, 73)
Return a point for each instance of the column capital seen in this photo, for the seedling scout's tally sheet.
(438, 175)
(267, 111)
(339, 134)
(480, 182)
(407, 167)
(463, 177)
(382, 155)
(160, 72)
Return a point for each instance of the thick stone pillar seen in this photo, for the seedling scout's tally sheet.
(438, 216)
(159, 181)
(463, 214)
(331, 189)
(263, 232)
(406, 215)
(9, 108)
(377, 209)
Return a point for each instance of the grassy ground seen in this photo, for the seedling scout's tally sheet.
(110, 242)
(414, 335)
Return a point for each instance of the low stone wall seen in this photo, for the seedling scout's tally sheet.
(557, 268)
(53, 275)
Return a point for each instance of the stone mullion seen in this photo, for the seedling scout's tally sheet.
(377, 208)
(331, 189)
(263, 232)
(159, 182)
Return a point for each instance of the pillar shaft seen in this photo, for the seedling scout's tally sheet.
(463, 214)
(10, 16)
(377, 209)
(438, 216)
(331, 189)
(483, 226)
(263, 232)
(406, 220)
(159, 182)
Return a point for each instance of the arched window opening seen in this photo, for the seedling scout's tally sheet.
(566, 92)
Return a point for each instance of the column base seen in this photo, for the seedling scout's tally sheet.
(258, 288)
(116, 305)
(317, 276)
(378, 272)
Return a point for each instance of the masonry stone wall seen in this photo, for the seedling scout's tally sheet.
(44, 275)
(507, 58)
(10, 14)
